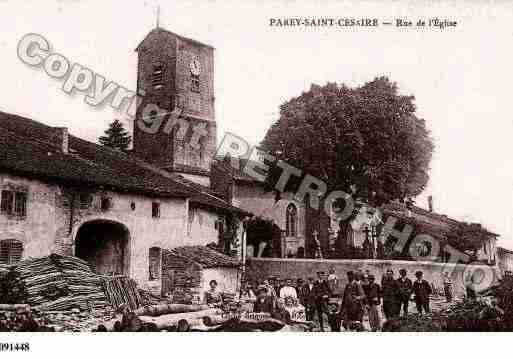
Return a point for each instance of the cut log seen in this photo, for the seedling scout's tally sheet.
(171, 320)
(162, 309)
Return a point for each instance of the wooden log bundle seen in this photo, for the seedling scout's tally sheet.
(161, 309)
(122, 291)
(250, 325)
(56, 282)
(171, 320)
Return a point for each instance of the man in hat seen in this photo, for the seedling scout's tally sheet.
(309, 298)
(372, 292)
(390, 295)
(269, 288)
(322, 293)
(352, 300)
(405, 287)
(422, 291)
(264, 302)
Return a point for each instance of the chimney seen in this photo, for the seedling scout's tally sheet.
(62, 138)
(430, 203)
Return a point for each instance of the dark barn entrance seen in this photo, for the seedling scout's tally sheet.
(104, 244)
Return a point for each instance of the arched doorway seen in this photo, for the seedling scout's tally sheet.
(105, 245)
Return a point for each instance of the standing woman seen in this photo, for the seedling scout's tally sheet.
(447, 287)
(213, 295)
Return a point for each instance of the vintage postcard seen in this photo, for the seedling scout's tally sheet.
(255, 166)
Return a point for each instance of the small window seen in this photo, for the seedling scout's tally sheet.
(86, 199)
(157, 77)
(20, 204)
(190, 220)
(8, 202)
(195, 83)
(154, 260)
(291, 221)
(11, 251)
(155, 210)
(14, 203)
(105, 204)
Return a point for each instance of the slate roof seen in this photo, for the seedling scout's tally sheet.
(31, 148)
(206, 257)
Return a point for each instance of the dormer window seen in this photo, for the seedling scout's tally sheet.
(157, 78)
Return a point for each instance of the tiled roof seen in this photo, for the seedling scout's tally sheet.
(504, 250)
(433, 223)
(30, 148)
(238, 173)
(206, 257)
(162, 31)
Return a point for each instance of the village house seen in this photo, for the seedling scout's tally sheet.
(439, 226)
(119, 211)
(504, 260)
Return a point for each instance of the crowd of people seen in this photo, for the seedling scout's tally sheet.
(323, 298)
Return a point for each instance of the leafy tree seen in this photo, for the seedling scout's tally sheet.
(116, 136)
(364, 140)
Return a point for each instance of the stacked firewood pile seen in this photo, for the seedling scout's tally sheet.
(54, 283)
(121, 291)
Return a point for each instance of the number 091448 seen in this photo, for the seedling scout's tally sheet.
(13, 347)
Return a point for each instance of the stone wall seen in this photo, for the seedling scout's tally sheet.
(38, 230)
(260, 268)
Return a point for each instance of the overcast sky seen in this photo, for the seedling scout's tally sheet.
(461, 77)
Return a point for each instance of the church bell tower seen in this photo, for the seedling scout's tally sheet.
(176, 74)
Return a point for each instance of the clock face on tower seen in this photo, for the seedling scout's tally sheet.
(195, 67)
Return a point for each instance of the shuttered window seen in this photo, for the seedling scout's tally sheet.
(7, 202)
(20, 204)
(11, 251)
(155, 210)
(155, 260)
(86, 199)
(13, 203)
(157, 76)
(195, 83)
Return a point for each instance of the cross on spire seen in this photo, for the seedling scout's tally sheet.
(158, 16)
